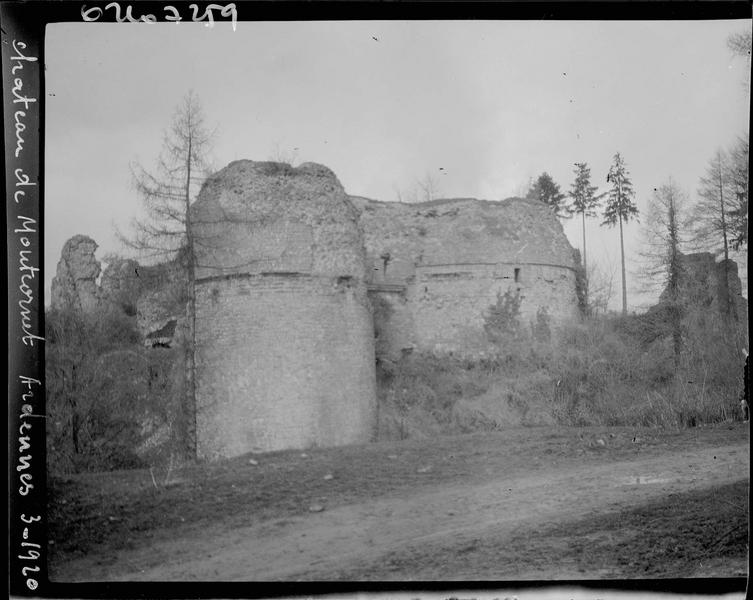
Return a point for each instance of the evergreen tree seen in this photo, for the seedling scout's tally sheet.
(547, 191)
(584, 202)
(619, 209)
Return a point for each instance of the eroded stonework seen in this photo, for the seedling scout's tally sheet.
(439, 266)
(75, 283)
(285, 352)
(300, 288)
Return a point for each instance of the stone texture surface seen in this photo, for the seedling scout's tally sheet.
(163, 298)
(299, 285)
(75, 283)
(257, 217)
(121, 282)
(285, 350)
(283, 362)
(702, 283)
(452, 258)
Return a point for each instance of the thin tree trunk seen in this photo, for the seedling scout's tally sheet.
(728, 305)
(624, 285)
(674, 280)
(191, 433)
(585, 264)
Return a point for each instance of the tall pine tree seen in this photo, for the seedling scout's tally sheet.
(620, 208)
(584, 202)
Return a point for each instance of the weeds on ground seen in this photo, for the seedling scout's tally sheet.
(601, 371)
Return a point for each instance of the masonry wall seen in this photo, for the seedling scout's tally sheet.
(285, 337)
(394, 325)
(451, 258)
(275, 372)
(451, 302)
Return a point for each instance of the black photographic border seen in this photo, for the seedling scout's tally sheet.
(23, 30)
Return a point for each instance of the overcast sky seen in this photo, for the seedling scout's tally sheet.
(384, 104)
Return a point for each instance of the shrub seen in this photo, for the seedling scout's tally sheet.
(111, 403)
(93, 368)
(601, 371)
(503, 321)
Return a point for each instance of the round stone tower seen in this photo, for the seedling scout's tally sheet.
(284, 334)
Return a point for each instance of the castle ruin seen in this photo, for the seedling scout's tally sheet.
(289, 270)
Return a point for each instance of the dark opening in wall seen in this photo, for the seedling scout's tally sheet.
(517, 275)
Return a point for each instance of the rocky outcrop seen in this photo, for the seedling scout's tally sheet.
(75, 284)
(154, 294)
(121, 283)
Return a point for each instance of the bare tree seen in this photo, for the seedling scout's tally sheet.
(601, 287)
(93, 368)
(740, 45)
(738, 168)
(281, 155)
(167, 233)
(428, 187)
(712, 225)
(423, 190)
(665, 238)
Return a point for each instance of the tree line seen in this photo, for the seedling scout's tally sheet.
(717, 222)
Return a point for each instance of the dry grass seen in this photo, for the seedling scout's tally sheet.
(599, 372)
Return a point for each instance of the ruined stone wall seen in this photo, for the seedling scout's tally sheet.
(299, 287)
(394, 326)
(450, 303)
(452, 257)
(702, 285)
(285, 343)
(285, 361)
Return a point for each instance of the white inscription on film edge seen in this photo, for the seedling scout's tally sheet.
(95, 13)
(26, 228)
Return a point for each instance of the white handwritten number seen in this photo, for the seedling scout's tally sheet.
(32, 519)
(32, 569)
(228, 11)
(225, 11)
(86, 13)
(176, 15)
(129, 15)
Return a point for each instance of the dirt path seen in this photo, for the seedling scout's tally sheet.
(347, 539)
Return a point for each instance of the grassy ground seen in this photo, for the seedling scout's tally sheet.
(104, 512)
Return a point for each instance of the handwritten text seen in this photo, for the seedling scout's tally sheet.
(172, 14)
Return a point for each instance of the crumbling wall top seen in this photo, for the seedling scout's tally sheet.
(463, 231)
(256, 217)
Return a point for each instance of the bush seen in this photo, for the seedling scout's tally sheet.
(111, 403)
(600, 371)
(93, 369)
